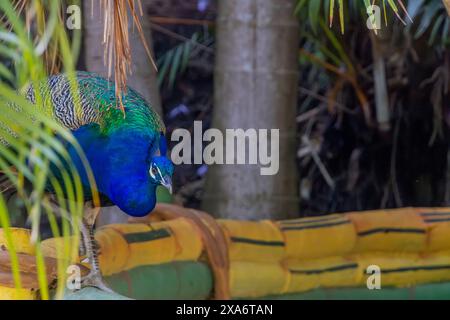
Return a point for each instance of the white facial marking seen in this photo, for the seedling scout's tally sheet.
(151, 171)
(158, 172)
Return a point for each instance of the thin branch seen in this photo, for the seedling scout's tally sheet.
(181, 21)
(180, 37)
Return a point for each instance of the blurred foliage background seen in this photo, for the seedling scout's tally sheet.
(359, 146)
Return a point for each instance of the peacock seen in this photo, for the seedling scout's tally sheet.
(126, 149)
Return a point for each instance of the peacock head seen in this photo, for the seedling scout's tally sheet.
(161, 170)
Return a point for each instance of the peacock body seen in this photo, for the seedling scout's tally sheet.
(126, 150)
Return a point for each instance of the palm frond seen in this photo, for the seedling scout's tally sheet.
(174, 61)
(330, 7)
(432, 19)
(447, 5)
(39, 22)
(29, 147)
(116, 39)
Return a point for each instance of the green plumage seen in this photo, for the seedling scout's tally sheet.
(96, 98)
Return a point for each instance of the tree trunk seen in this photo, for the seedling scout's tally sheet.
(143, 77)
(256, 87)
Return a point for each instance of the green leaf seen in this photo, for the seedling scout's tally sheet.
(445, 30)
(313, 14)
(5, 73)
(435, 29)
(175, 64)
(34, 147)
(337, 45)
(187, 51)
(392, 5)
(331, 12)
(299, 6)
(341, 15)
(414, 7)
(429, 12)
(165, 66)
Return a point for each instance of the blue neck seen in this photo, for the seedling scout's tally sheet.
(120, 166)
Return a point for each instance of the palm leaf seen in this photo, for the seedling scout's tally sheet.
(174, 62)
(29, 134)
(116, 38)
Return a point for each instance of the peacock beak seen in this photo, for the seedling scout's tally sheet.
(167, 183)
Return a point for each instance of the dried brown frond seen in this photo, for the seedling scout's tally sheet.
(116, 40)
(18, 5)
(35, 17)
(447, 5)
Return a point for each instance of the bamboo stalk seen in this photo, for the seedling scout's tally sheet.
(383, 114)
(181, 21)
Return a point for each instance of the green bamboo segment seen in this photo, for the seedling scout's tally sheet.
(434, 291)
(176, 280)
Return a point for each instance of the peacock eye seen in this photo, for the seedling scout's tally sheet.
(154, 171)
